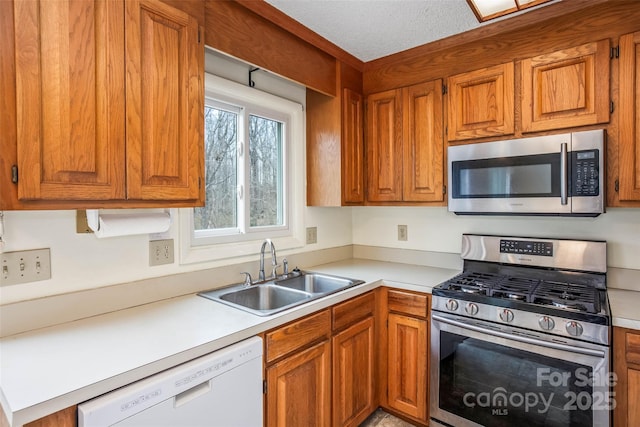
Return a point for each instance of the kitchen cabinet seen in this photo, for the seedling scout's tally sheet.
(109, 103)
(629, 124)
(481, 103)
(566, 88)
(321, 369)
(335, 143)
(626, 364)
(298, 373)
(354, 365)
(407, 362)
(405, 144)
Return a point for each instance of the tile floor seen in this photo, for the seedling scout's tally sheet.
(382, 419)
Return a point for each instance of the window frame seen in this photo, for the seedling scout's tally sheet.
(213, 245)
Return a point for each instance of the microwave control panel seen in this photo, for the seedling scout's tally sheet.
(585, 173)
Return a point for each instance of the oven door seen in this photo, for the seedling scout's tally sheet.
(486, 377)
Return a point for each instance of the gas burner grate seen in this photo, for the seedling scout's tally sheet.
(473, 282)
(569, 296)
(515, 288)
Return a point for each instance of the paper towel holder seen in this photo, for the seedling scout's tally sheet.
(91, 220)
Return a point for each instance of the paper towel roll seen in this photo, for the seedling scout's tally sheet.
(112, 225)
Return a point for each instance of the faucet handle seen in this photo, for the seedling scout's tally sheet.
(274, 271)
(247, 278)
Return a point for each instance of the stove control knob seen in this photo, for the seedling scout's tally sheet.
(506, 315)
(471, 309)
(546, 323)
(574, 328)
(452, 305)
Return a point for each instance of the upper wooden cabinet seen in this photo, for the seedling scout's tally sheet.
(335, 145)
(165, 102)
(405, 144)
(629, 124)
(109, 102)
(70, 100)
(481, 103)
(566, 88)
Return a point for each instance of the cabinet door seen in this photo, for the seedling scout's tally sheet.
(481, 103)
(629, 139)
(352, 148)
(298, 389)
(165, 102)
(407, 365)
(353, 373)
(566, 88)
(70, 99)
(423, 143)
(384, 146)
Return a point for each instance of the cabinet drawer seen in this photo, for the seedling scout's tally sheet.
(408, 303)
(633, 348)
(297, 334)
(353, 310)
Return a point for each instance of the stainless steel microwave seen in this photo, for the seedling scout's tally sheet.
(548, 175)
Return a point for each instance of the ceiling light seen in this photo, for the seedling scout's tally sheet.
(490, 9)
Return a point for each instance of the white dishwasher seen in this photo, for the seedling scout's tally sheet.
(221, 389)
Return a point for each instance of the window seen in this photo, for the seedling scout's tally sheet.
(253, 173)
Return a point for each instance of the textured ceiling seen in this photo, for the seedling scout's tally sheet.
(370, 29)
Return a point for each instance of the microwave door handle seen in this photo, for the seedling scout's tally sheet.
(563, 173)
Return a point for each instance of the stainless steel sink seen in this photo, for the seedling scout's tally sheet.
(317, 283)
(273, 296)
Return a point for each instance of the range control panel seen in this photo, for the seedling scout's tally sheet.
(528, 247)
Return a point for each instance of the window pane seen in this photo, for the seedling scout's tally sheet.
(265, 172)
(220, 142)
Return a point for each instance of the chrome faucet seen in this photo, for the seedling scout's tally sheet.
(274, 261)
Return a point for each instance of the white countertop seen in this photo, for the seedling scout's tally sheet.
(50, 369)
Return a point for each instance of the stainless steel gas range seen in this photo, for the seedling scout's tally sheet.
(522, 336)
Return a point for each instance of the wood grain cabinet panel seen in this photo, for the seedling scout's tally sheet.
(481, 103)
(384, 146)
(405, 144)
(299, 389)
(109, 103)
(352, 147)
(165, 102)
(296, 335)
(626, 365)
(353, 373)
(70, 100)
(566, 88)
(407, 364)
(629, 130)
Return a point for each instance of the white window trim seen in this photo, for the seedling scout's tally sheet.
(293, 237)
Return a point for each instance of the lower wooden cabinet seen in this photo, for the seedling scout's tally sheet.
(353, 373)
(321, 369)
(407, 355)
(626, 364)
(299, 388)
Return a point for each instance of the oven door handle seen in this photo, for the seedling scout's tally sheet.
(557, 346)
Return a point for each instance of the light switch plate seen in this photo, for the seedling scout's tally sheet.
(160, 252)
(25, 266)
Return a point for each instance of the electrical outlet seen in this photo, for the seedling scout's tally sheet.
(312, 235)
(402, 233)
(25, 266)
(160, 252)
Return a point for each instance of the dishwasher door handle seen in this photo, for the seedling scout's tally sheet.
(191, 394)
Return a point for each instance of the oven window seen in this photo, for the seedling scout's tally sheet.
(494, 385)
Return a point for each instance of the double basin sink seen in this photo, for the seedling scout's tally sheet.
(273, 296)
